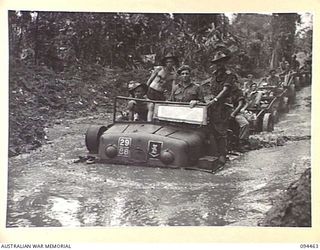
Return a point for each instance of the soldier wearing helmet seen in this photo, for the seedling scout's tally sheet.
(163, 78)
(222, 83)
(138, 110)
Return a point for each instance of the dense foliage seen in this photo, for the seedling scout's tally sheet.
(283, 35)
(73, 63)
(128, 40)
(61, 40)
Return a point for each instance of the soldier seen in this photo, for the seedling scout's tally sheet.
(185, 90)
(247, 84)
(162, 78)
(138, 110)
(273, 80)
(162, 81)
(284, 65)
(295, 65)
(238, 102)
(253, 97)
(223, 81)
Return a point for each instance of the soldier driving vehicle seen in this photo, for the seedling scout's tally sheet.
(273, 80)
(138, 110)
(247, 84)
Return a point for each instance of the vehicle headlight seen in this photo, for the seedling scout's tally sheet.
(111, 151)
(167, 156)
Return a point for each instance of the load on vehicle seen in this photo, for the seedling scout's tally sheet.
(177, 137)
(274, 101)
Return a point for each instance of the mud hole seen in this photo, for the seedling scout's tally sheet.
(46, 187)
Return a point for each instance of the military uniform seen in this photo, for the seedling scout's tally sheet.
(187, 93)
(235, 97)
(273, 81)
(140, 111)
(219, 113)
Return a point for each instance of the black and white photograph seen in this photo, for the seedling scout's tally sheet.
(126, 119)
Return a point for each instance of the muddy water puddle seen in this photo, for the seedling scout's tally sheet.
(100, 195)
(120, 196)
(262, 177)
(46, 189)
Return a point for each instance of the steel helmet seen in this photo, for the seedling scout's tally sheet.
(132, 85)
(170, 55)
(220, 56)
(184, 67)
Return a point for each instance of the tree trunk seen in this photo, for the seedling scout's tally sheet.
(36, 40)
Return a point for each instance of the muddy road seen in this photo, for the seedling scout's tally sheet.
(47, 189)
